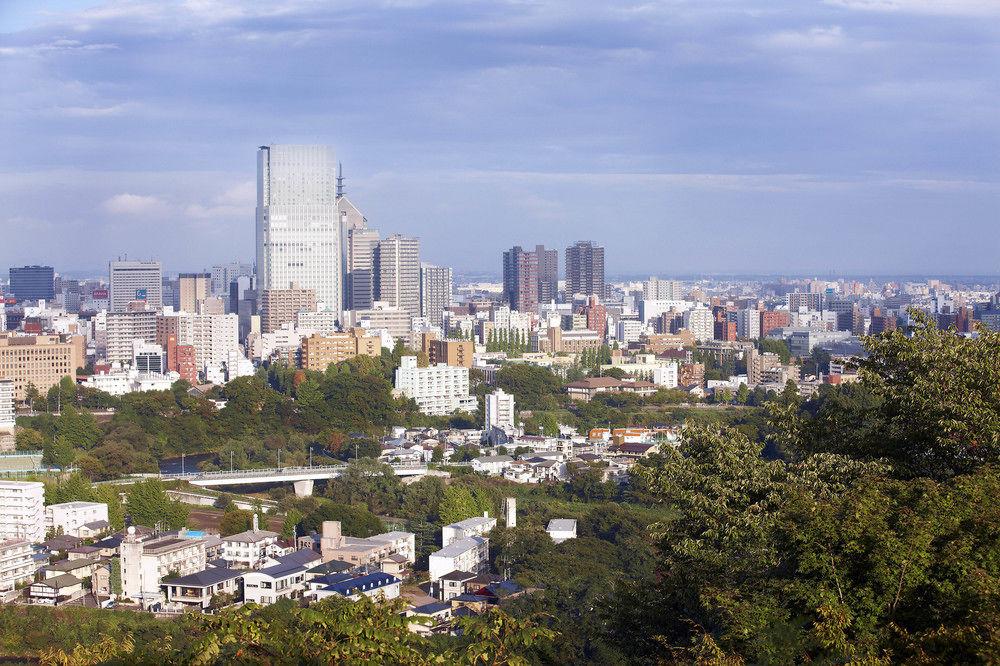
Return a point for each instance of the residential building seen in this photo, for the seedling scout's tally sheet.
(491, 465)
(656, 289)
(382, 317)
(438, 390)
(135, 281)
(333, 545)
(585, 269)
(249, 549)
(214, 337)
(324, 323)
(397, 273)
(499, 411)
(223, 276)
(32, 283)
(377, 586)
(22, 510)
(298, 222)
(520, 279)
(597, 316)
(772, 319)
(748, 324)
(805, 301)
(450, 352)
(200, 588)
(361, 244)
(123, 329)
(148, 357)
(73, 517)
(475, 526)
(699, 321)
(280, 306)
(561, 529)
(39, 360)
(435, 292)
(585, 389)
(284, 580)
(144, 563)
(192, 290)
(470, 554)
(17, 566)
(548, 274)
(319, 351)
(8, 415)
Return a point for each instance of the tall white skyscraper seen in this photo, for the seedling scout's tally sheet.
(397, 261)
(135, 281)
(298, 221)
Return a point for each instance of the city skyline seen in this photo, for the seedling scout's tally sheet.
(780, 137)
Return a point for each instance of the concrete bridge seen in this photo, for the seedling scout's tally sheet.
(302, 478)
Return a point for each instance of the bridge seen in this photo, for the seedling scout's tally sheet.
(302, 478)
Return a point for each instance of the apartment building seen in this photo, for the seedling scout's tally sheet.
(475, 526)
(470, 554)
(144, 563)
(500, 411)
(22, 510)
(7, 415)
(16, 564)
(122, 328)
(319, 351)
(282, 306)
(72, 518)
(450, 352)
(438, 390)
(39, 360)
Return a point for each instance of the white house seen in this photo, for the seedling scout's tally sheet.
(492, 465)
(475, 526)
(561, 529)
(72, 517)
(287, 579)
(469, 554)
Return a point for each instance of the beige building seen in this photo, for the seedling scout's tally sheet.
(40, 360)
(556, 340)
(281, 306)
(449, 352)
(333, 545)
(319, 351)
(193, 288)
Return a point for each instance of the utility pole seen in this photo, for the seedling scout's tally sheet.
(182, 464)
(230, 461)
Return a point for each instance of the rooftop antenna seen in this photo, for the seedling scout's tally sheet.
(340, 180)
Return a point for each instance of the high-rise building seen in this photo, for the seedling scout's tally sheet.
(804, 301)
(281, 306)
(193, 289)
(548, 274)
(123, 328)
(319, 351)
(435, 292)
(700, 323)
(520, 279)
(298, 221)
(22, 510)
(585, 269)
(655, 289)
(37, 360)
(223, 275)
(361, 244)
(32, 283)
(500, 410)
(214, 337)
(135, 281)
(748, 324)
(397, 260)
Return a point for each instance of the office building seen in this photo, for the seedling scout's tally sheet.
(39, 360)
(500, 410)
(383, 317)
(282, 306)
(32, 283)
(435, 292)
(298, 222)
(122, 328)
(193, 289)
(319, 351)
(324, 323)
(520, 279)
(655, 289)
(135, 281)
(397, 275)
(223, 275)
(438, 390)
(22, 510)
(148, 357)
(361, 244)
(804, 301)
(548, 274)
(585, 269)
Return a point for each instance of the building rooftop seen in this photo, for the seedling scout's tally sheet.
(75, 505)
(250, 536)
(472, 523)
(456, 548)
(211, 576)
(372, 581)
(66, 566)
(59, 582)
(164, 545)
(460, 576)
(561, 525)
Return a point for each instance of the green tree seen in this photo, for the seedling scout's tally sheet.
(148, 504)
(457, 504)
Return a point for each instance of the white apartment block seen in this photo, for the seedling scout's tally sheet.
(16, 564)
(213, 337)
(630, 330)
(748, 324)
(135, 281)
(475, 526)
(700, 323)
(470, 554)
(324, 323)
(22, 510)
(145, 563)
(298, 221)
(397, 274)
(122, 329)
(7, 415)
(651, 309)
(438, 390)
(500, 410)
(666, 376)
(69, 517)
(655, 289)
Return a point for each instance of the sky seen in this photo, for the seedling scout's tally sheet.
(686, 136)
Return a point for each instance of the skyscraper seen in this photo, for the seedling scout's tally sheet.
(520, 279)
(32, 283)
(135, 281)
(193, 288)
(548, 274)
(435, 292)
(397, 272)
(585, 269)
(298, 221)
(361, 244)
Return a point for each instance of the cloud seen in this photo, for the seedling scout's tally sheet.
(944, 7)
(237, 200)
(91, 111)
(60, 45)
(132, 204)
(813, 38)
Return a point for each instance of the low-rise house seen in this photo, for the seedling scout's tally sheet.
(333, 545)
(82, 568)
(56, 590)
(561, 529)
(475, 526)
(250, 549)
(468, 554)
(452, 584)
(84, 552)
(396, 565)
(200, 588)
(61, 543)
(585, 389)
(377, 586)
(284, 580)
(493, 465)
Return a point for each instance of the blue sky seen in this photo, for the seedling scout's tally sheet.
(687, 136)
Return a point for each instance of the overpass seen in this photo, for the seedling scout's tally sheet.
(302, 478)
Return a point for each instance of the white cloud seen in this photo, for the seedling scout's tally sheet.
(813, 38)
(237, 200)
(132, 204)
(56, 46)
(91, 111)
(945, 7)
